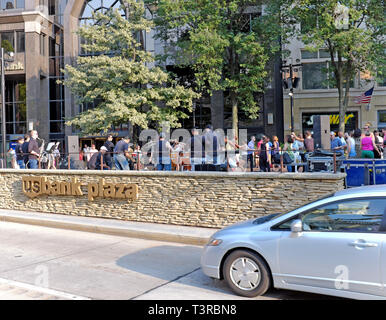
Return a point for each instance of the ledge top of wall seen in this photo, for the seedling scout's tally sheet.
(187, 174)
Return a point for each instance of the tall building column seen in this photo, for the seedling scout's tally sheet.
(36, 69)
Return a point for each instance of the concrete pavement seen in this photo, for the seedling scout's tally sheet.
(51, 263)
(150, 231)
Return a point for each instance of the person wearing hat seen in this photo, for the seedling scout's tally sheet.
(103, 157)
(19, 153)
(336, 144)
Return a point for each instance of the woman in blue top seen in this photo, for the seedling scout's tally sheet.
(351, 153)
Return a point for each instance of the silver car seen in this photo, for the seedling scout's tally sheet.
(333, 246)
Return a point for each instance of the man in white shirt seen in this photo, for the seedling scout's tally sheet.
(91, 152)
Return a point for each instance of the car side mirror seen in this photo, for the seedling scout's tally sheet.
(297, 226)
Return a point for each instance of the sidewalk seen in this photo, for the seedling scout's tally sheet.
(150, 231)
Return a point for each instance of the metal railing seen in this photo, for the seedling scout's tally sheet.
(74, 161)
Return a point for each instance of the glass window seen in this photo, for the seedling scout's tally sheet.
(55, 110)
(381, 80)
(382, 119)
(7, 4)
(56, 126)
(51, 7)
(348, 216)
(314, 75)
(309, 54)
(16, 108)
(8, 41)
(20, 4)
(324, 53)
(20, 41)
(42, 45)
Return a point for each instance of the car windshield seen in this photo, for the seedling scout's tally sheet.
(272, 216)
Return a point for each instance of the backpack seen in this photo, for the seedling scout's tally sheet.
(276, 158)
(286, 158)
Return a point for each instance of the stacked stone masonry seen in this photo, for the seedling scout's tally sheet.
(202, 199)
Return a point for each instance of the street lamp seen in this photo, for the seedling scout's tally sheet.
(290, 83)
(3, 126)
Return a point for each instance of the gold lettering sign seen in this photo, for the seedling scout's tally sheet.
(37, 186)
(14, 66)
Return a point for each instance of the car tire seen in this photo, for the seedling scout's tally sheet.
(246, 273)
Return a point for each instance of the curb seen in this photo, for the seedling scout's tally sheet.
(110, 230)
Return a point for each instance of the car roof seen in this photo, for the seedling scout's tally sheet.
(365, 191)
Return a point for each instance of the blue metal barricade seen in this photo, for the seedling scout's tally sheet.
(380, 171)
(359, 172)
(362, 172)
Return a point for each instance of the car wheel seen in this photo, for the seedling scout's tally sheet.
(246, 273)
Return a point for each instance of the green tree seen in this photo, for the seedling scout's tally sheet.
(227, 43)
(6, 44)
(120, 78)
(353, 32)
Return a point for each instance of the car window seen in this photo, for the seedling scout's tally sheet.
(358, 215)
(363, 215)
(279, 215)
(286, 225)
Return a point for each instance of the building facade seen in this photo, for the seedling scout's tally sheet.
(31, 30)
(313, 96)
(42, 34)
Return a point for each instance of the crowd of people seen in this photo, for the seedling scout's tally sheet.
(119, 156)
(356, 144)
(206, 151)
(29, 153)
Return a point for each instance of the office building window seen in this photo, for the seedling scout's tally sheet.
(314, 75)
(95, 6)
(42, 44)
(56, 91)
(305, 54)
(12, 4)
(382, 119)
(51, 7)
(8, 41)
(319, 75)
(15, 107)
(319, 54)
(20, 41)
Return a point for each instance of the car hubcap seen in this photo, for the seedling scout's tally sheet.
(245, 273)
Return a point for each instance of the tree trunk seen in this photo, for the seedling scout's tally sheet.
(339, 82)
(235, 119)
(342, 111)
(346, 95)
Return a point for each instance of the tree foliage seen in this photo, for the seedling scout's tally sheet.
(119, 77)
(227, 43)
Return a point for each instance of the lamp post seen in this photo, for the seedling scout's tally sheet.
(290, 83)
(3, 124)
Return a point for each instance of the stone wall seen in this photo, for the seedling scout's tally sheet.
(183, 198)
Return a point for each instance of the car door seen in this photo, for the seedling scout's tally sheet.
(383, 255)
(339, 248)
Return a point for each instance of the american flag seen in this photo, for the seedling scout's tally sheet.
(365, 97)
